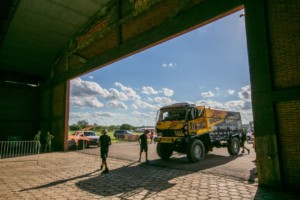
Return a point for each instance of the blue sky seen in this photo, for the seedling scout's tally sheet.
(207, 66)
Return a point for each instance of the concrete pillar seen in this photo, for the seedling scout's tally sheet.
(261, 84)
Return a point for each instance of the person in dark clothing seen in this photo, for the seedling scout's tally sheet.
(143, 140)
(104, 142)
(243, 140)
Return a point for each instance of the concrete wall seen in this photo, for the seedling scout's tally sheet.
(284, 28)
(273, 46)
(60, 115)
(19, 111)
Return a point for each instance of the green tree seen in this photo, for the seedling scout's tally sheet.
(99, 128)
(82, 124)
(112, 128)
(74, 127)
(126, 127)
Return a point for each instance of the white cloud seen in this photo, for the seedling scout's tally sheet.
(230, 92)
(148, 90)
(91, 77)
(149, 99)
(104, 114)
(238, 105)
(245, 94)
(90, 101)
(134, 107)
(164, 100)
(131, 94)
(117, 104)
(115, 94)
(142, 114)
(86, 94)
(109, 118)
(82, 88)
(75, 116)
(247, 116)
(168, 92)
(211, 104)
(171, 64)
(145, 105)
(207, 94)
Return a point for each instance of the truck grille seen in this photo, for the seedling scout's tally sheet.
(168, 133)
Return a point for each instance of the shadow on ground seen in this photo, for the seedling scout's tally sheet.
(130, 180)
(62, 181)
(181, 162)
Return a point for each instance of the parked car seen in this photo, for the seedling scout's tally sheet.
(119, 134)
(94, 138)
(88, 138)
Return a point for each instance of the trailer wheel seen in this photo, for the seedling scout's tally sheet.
(164, 151)
(195, 151)
(233, 146)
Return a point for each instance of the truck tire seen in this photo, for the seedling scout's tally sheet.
(164, 151)
(195, 151)
(233, 146)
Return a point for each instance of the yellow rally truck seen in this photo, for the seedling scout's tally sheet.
(195, 130)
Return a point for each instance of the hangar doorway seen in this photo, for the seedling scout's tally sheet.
(207, 66)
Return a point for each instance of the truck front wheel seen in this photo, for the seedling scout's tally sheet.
(233, 146)
(164, 151)
(195, 151)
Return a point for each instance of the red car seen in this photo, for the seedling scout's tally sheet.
(88, 138)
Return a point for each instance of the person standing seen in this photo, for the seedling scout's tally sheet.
(37, 138)
(151, 136)
(49, 138)
(104, 142)
(243, 140)
(143, 140)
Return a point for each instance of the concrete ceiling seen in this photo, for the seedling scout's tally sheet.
(42, 39)
(35, 31)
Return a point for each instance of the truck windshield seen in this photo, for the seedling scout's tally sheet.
(171, 114)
